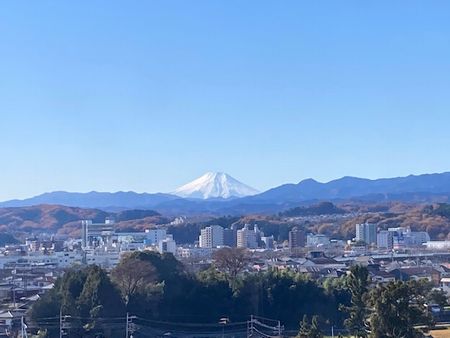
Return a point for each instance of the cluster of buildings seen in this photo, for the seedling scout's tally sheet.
(215, 236)
(299, 239)
(102, 244)
(398, 238)
(27, 270)
(102, 237)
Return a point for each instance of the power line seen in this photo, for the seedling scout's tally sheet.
(130, 324)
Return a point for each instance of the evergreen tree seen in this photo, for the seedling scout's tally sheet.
(315, 332)
(304, 327)
(397, 308)
(309, 330)
(357, 283)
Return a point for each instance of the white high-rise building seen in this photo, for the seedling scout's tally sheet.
(247, 238)
(211, 237)
(367, 233)
(154, 236)
(385, 239)
(167, 245)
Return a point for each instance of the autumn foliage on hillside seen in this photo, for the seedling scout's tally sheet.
(337, 221)
(66, 220)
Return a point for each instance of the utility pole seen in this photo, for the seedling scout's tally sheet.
(126, 328)
(129, 329)
(23, 328)
(332, 331)
(60, 323)
(14, 294)
(224, 321)
(251, 326)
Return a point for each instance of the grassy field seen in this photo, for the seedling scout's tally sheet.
(444, 333)
(440, 333)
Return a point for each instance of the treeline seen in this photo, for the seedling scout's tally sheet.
(323, 208)
(158, 287)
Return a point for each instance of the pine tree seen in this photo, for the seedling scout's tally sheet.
(357, 283)
(304, 327)
(315, 332)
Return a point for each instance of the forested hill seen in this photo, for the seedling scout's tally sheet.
(66, 220)
(324, 208)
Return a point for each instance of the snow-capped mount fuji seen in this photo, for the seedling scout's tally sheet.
(215, 185)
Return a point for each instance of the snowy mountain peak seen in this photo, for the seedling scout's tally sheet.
(214, 185)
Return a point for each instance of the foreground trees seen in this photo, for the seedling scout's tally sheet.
(156, 287)
(231, 261)
(397, 309)
(310, 330)
(153, 286)
(133, 275)
(84, 296)
(357, 283)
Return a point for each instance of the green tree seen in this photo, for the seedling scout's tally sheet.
(437, 296)
(357, 283)
(432, 295)
(397, 308)
(41, 334)
(315, 331)
(304, 327)
(84, 295)
(99, 296)
(309, 330)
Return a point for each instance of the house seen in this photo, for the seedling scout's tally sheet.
(420, 272)
(445, 284)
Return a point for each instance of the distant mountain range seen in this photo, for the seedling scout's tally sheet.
(219, 193)
(353, 187)
(102, 200)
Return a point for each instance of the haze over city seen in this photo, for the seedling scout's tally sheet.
(149, 96)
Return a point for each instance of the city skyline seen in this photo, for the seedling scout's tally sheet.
(149, 96)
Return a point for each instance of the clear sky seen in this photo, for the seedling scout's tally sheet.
(147, 95)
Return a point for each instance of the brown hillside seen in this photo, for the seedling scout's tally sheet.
(66, 220)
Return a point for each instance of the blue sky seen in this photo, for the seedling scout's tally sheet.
(147, 95)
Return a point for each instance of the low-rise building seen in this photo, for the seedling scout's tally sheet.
(315, 240)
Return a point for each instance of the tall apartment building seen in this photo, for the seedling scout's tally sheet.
(96, 234)
(385, 239)
(297, 238)
(154, 236)
(367, 233)
(268, 242)
(211, 237)
(167, 245)
(247, 238)
(230, 238)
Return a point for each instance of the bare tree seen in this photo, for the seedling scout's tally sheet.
(132, 274)
(231, 261)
